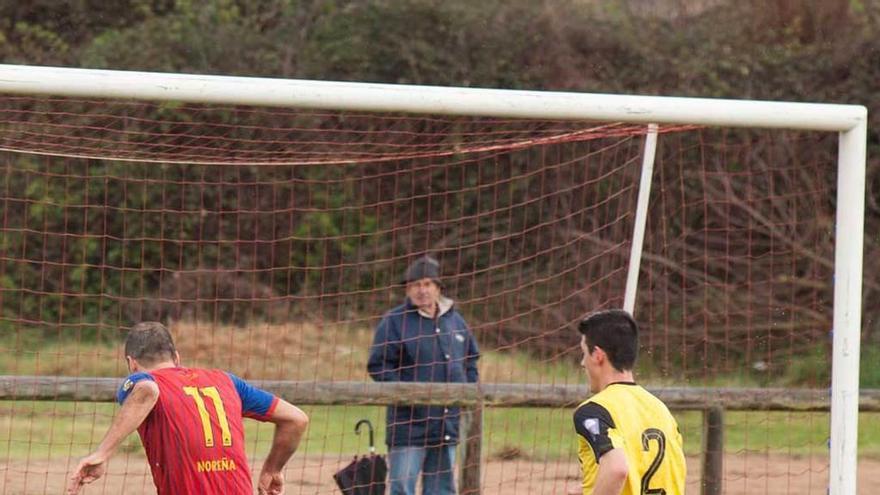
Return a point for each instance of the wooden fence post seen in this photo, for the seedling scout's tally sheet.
(472, 438)
(713, 451)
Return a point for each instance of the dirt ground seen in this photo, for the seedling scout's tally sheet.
(743, 474)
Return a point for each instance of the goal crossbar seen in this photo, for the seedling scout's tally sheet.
(369, 97)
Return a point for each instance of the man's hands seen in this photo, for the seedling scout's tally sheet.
(270, 483)
(88, 470)
(290, 424)
(136, 408)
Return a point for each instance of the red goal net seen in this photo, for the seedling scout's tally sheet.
(272, 241)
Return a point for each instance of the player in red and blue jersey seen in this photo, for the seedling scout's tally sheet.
(190, 422)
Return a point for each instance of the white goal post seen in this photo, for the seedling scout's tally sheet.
(850, 121)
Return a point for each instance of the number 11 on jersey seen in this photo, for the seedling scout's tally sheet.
(214, 395)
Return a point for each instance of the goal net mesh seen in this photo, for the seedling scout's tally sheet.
(271, 242)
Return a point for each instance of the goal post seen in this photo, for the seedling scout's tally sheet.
(849, 237)
(849, 121)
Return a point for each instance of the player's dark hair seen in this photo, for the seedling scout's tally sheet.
(617, 333)
(149, 342)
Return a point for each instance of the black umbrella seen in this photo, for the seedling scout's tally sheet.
(365, 475)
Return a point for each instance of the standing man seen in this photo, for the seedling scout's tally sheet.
(423, 340)
(190, 422)
(629, 443)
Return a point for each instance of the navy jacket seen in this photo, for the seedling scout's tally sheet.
(409, 347)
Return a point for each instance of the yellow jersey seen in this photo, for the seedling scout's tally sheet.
(628, 417)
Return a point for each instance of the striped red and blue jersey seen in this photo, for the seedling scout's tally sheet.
(194, 436)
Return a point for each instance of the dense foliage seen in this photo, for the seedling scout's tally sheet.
(778, 49)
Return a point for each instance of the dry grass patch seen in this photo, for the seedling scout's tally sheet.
(297, 351)
(291, 351)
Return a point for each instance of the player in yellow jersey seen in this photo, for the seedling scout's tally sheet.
(629, 443)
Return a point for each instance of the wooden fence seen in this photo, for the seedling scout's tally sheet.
(711, 401)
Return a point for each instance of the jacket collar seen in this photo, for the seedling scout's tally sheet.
(445, 305)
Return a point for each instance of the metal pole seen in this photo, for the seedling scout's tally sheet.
(638, 238)
(88, 83)
(848, 237)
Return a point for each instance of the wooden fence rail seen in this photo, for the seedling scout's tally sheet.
(712, 401)
(453, 394)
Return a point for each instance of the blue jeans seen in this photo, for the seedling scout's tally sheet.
(435, 464)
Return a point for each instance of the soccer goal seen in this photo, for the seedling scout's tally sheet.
(268, 222)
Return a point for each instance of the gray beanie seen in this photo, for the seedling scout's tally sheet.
(424, 267)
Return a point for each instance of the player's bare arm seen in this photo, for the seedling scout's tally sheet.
(290, 425)
(132, 413)
(613, 469)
